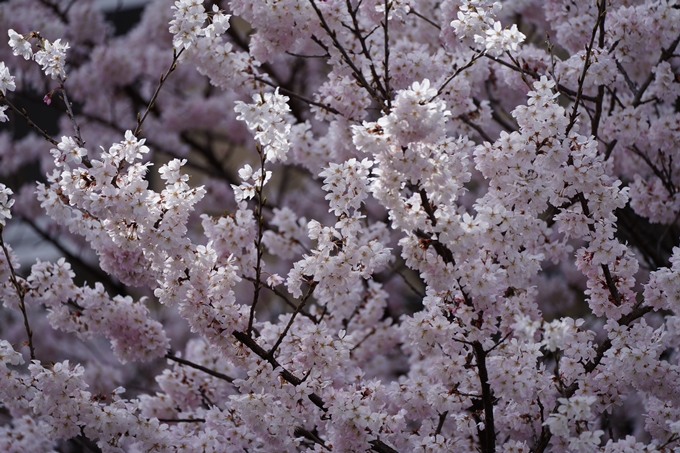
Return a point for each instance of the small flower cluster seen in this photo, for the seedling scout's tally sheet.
(476, 19)
(267, 119)
(573, 412)
(347, 185)
(6, 80)
(246, 190)
(6, 84)
(190, 17)
(213, 57)
(6, 203)
(51, 56)
(292, 232)
(414, 116)
(663, 289)
(20, 45)
(285, 25)
(68, 151)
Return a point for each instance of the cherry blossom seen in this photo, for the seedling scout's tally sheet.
(6, 80)
(20, 45)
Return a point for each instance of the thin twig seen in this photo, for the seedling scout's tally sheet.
(151, 104)
(474, 58)
(55, 8)
(429, 21)
(21, 293)
(601, 13)
(24, 116)
(523, 71)
(465, 119)
(545, 436)
(102, 276)
(364, 49)
(285, 299)
(188, 363)
(285, 374)
(300, 306)
(298, 55)
(72, 117)
(408, 283)
(217, 172)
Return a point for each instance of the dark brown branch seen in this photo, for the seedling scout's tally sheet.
(284, 373)
(611, 285)
(181, 420)
(667, 183)
(595, 121)
(364, 49)
(610, 148)
(259, 250)
(497, 114)
(101, 276)
(465, 119)
(415, 290)
(440, 424)
(386, 61)
(487, 435)
(381, 447)
(188, 363)
(440, 248)
(637, 313)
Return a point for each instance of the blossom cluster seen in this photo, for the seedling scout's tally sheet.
(476, 19)
(51, 56)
